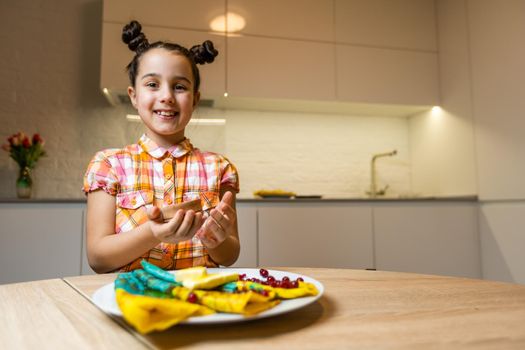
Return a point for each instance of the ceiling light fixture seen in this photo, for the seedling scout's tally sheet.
(230, 23)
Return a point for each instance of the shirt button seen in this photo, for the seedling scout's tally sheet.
(167, 176)
(133, 201)
(169, 201)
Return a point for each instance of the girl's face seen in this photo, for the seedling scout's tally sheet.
(163, 95)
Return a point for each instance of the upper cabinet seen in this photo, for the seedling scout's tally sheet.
(378, 75)
(183, 22)
(181, 14)
(280, 68)
(292, 19)
(387, 51)
(343, 50)
(116, 56)
(399, 24)
(350, 51)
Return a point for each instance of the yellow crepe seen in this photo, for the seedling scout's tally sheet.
(248, 303)
(190, 273)
(304, 289)
(210, 281)
(149, 314)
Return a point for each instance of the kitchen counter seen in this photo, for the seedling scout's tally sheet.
(359, 199)
(359, 309)
(278, 200)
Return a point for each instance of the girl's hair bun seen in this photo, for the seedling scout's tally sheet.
(204, 53)
(133, 37)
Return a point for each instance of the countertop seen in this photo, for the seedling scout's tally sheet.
(359, 310)
(278, 200)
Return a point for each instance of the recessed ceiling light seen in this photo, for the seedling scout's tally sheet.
(230, 23)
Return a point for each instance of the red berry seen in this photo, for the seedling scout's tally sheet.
(294, 284)
(264, 293)
(270, 279)
(285, 284)
(192, 298)
(300, 279)
(242, 277)
(274, 284)
(286, 278)
(263, 272)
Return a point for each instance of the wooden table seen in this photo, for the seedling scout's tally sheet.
(360, 309)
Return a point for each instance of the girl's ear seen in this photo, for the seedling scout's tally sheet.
(132, 96)
(196, 98)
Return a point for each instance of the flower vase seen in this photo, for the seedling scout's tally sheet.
(24, 183)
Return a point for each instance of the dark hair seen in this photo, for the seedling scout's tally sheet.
(136, 40)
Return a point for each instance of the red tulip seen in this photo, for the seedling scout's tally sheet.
(37, 139)
(15, 140)
(26, 143)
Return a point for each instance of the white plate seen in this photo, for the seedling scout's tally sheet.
(105, 299)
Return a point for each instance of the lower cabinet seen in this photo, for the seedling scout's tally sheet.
(40, 241)
(47, 240)
(247, 224)
(433, 238)
(502, 241)
(337, 235)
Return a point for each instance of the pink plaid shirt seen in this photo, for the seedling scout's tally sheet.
(144, 174)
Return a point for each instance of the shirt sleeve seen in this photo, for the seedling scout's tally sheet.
(230, 176)
(100, 175)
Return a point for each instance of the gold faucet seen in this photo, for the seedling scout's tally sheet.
(373, 185)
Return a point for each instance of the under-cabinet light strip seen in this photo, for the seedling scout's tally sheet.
(194, 121)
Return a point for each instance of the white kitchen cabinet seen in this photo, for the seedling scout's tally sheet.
(247, 225)
(406, 24)
(379, 75)
(280, 68)
(503, 241)
(85, 268)
(182, 14)
(292, 19)
(40, 241)
(433, 238)
(116, 56)
(337, 235)
(379, 52)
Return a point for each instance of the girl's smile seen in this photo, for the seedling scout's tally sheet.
(166, 114)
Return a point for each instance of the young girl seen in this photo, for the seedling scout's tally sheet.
(126, 187)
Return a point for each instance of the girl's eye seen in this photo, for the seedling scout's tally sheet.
(151, 84)
(180, 87)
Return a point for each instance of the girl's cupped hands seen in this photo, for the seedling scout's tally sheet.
(181, 227)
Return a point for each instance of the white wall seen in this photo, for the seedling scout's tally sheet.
(496, 32)
(442, 143)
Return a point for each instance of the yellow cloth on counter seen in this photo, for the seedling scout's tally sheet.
(149, 314)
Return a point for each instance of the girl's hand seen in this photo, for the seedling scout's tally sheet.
(181, 227)
(220, 224)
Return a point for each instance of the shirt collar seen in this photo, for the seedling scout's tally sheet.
(149, 146)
